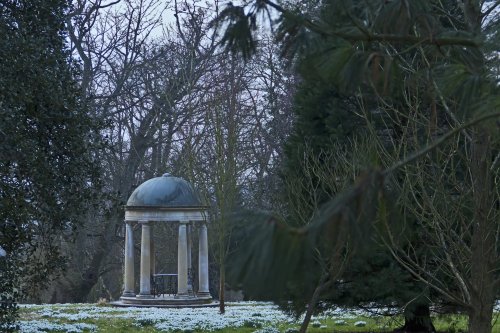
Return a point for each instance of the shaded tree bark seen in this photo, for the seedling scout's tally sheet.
(417, 319)
(483, 289)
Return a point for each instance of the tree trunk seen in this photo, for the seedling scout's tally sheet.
(484, 255)
(222, 282)
(77, 286)
(417, 319)
(480, 321)
(483, 245)
(312, 305)
(324, 283)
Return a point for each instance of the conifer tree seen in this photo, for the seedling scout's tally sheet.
(366, 47)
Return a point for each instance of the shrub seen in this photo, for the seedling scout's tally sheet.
(9, 295)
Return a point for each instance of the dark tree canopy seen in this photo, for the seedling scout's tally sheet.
(435, 51)
(47, 165)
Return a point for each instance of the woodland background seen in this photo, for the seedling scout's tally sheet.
(368, 129)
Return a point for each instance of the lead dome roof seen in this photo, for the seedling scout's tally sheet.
(166, 191)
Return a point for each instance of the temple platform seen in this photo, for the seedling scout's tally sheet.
(166, 301)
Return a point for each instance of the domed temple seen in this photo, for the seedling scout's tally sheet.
(166, 199)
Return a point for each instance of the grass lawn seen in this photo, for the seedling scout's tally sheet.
(241, 317)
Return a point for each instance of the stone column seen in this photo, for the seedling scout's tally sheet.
(189, 231)
(145, 284)
(153, 257)
(128, 278)
(182, 267)
(203, 262)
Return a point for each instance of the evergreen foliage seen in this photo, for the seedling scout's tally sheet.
(48, 166)
(365, 277)
(9, 294)
(425, 61)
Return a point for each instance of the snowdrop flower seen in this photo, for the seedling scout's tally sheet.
(360, 323)
(42, 326)
(164, 319)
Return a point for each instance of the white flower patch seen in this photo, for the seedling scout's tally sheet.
(84, 311)
(351, 313)
(32, 306)
(344, 313)
(360, 323)
(167, 319)
(42, 326)
(80, 315)
(267, 330)
(209, 319)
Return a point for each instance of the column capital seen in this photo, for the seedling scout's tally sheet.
(144, 222)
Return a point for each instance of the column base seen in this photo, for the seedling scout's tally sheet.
(144, 296)
(183, 295)
(204, 294)
(128, 294)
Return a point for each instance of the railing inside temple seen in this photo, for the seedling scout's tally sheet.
(164, 284)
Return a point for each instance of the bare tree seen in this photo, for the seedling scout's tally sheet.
(438, 199)
(235, 139)
(171, 101)
(271, 88)
(138, 75)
